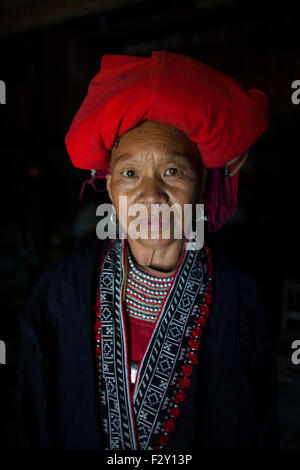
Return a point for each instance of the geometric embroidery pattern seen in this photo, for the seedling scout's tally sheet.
(132, 422)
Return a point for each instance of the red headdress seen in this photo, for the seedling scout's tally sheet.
(213, 110)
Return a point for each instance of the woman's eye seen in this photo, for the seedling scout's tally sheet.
(129, 173)
(171, 171)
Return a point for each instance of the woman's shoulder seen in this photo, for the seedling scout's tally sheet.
(237, 295)
(81, 260)
(77, 264)
(233, 277)
(69, 277)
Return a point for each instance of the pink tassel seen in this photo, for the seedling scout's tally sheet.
(234, 180)
(220, 197)
(95, 174)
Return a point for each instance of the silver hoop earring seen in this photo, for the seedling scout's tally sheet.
(113, 218)
(202, 218)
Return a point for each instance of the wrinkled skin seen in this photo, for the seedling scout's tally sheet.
(154, 164)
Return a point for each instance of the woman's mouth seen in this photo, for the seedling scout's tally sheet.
(151, 222)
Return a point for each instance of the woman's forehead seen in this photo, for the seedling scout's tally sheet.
(149, 129)
(151, 138)
(153, 157)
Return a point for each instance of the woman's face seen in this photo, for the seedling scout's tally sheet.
(154, 164)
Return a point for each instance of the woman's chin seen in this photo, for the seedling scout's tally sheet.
(152, 243)
(155, 238)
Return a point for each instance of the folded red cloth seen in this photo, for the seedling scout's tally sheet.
(215, 112)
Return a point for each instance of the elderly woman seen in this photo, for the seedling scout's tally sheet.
(145, 342)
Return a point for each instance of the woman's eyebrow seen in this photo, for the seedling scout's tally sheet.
(167, 157)
(176, 157)
(174, 154)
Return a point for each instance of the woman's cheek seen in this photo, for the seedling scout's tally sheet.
(123, 188)
(184, 195)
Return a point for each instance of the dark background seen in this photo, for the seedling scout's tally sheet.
(49, 52)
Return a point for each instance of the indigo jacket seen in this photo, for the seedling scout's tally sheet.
(230, 404)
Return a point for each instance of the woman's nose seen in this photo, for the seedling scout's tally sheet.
(152, 192)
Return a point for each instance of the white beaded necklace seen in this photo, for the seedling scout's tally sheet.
(145, 292)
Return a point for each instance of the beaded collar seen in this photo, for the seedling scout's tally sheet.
(145, 292)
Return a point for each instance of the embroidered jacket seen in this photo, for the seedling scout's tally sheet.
(230, 401)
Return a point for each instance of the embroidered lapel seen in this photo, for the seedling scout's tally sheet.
(145, 419)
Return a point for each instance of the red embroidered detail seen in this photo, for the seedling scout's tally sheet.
(175, 412)
(204, 310)
(201, 321)
(192, 358)
(187, 370)
(208, 298)
(197, 332)
(169, 425)
(163, 439)
(210, 288)
(194, 345)
(179, 396)
(184, 382)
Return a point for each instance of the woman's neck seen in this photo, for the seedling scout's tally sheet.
(164, 259)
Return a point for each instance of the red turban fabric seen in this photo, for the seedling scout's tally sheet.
(215, 112)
